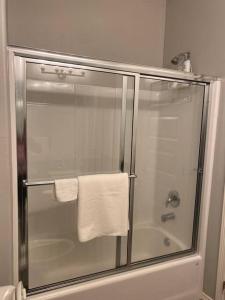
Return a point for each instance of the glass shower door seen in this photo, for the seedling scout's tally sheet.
(167, 166)
(79, 122)
(76, 120)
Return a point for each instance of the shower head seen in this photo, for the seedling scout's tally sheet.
(181, 58)
(182, 61)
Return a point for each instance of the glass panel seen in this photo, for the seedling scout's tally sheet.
(169, 126)
(74, 127)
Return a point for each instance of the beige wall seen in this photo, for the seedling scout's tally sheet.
(126, 31)
(5, 188)
(198, 26)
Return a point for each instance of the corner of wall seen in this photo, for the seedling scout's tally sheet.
(6, 219)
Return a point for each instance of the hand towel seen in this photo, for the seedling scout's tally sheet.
(66, 189)
(103, 204)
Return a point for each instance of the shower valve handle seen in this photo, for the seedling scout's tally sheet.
(173, 199)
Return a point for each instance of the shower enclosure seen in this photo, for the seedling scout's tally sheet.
(78, 116)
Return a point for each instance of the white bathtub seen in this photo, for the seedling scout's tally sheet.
(151, 241)
(56, 259)
(175, 280)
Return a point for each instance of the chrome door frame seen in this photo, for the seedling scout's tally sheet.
(201, 156)
(109, 65)
(26, 55)
(21, 144)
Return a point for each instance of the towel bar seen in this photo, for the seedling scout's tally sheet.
(51, 182)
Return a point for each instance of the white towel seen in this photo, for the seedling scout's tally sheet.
(103, 205)
(66, 189)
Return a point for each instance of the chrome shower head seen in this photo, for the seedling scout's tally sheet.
(180, 58)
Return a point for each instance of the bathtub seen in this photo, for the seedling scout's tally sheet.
(151, 241)
(54, 259)
(173, 280)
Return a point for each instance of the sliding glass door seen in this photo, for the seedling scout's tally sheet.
(78, 122)
(168, 167)
(79, 119)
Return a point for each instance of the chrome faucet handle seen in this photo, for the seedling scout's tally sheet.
(173, 199)
(168, 217)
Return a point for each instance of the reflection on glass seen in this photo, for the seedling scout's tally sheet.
(74, 122)
(55, 253)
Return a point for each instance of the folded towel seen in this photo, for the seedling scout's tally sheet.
(66, 189)
(103, 205)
